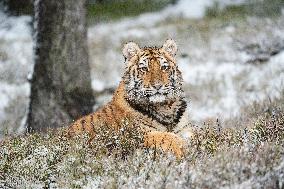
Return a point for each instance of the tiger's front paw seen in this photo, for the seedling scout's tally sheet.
(166, 141)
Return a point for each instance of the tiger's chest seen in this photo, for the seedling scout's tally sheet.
(161, 117)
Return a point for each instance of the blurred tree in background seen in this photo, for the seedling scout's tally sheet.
(98, 10)
(18, 7)
(109, 10)
(61, 83)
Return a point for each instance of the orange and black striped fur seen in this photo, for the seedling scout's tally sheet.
(150, 95)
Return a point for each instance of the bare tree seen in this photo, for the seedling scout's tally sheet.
(61, 84)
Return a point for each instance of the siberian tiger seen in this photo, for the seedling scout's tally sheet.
(150, 94)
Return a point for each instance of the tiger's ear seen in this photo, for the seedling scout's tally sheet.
(170, 47)
(130, 49)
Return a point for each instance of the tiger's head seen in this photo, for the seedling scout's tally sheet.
(152, 74)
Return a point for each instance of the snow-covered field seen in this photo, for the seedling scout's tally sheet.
(227, 64)
(221, 61)
(218, 58)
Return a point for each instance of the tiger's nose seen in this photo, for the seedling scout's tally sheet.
(157, 85)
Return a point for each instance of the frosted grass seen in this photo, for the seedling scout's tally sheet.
(218, 79)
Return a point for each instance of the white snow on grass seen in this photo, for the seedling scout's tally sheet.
(189, 9)
(9, 92)
(218, 81)
(16, 62)
(13, 107)
(235, 85)
(14, 28)
(145, 27)
(196, 9)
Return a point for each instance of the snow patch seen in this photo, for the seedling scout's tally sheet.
(217, 79)
(230, 86)
(16, 63)
(98, 85)
(197, 9)
(14, 28)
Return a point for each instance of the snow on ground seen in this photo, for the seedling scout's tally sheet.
(218, 78)
(235, 85)
(195, 9)
(143, 27)
(16, 62)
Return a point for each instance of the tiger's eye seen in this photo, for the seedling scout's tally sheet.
(164, 67)
(144, 68)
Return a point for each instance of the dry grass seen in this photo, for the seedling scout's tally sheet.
(249, 156)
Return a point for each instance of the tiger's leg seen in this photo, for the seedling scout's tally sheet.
(166, 141)
(83, 125)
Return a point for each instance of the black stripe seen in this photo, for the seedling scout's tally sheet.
(149, 125)
(92, 122)
(150, 112)
(113, 115)
(83, 121)
(180, 111)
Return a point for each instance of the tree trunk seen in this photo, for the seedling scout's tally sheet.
(61, 83)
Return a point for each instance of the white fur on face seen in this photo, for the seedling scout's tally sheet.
(157, 98)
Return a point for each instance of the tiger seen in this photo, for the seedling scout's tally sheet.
(150, 94)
